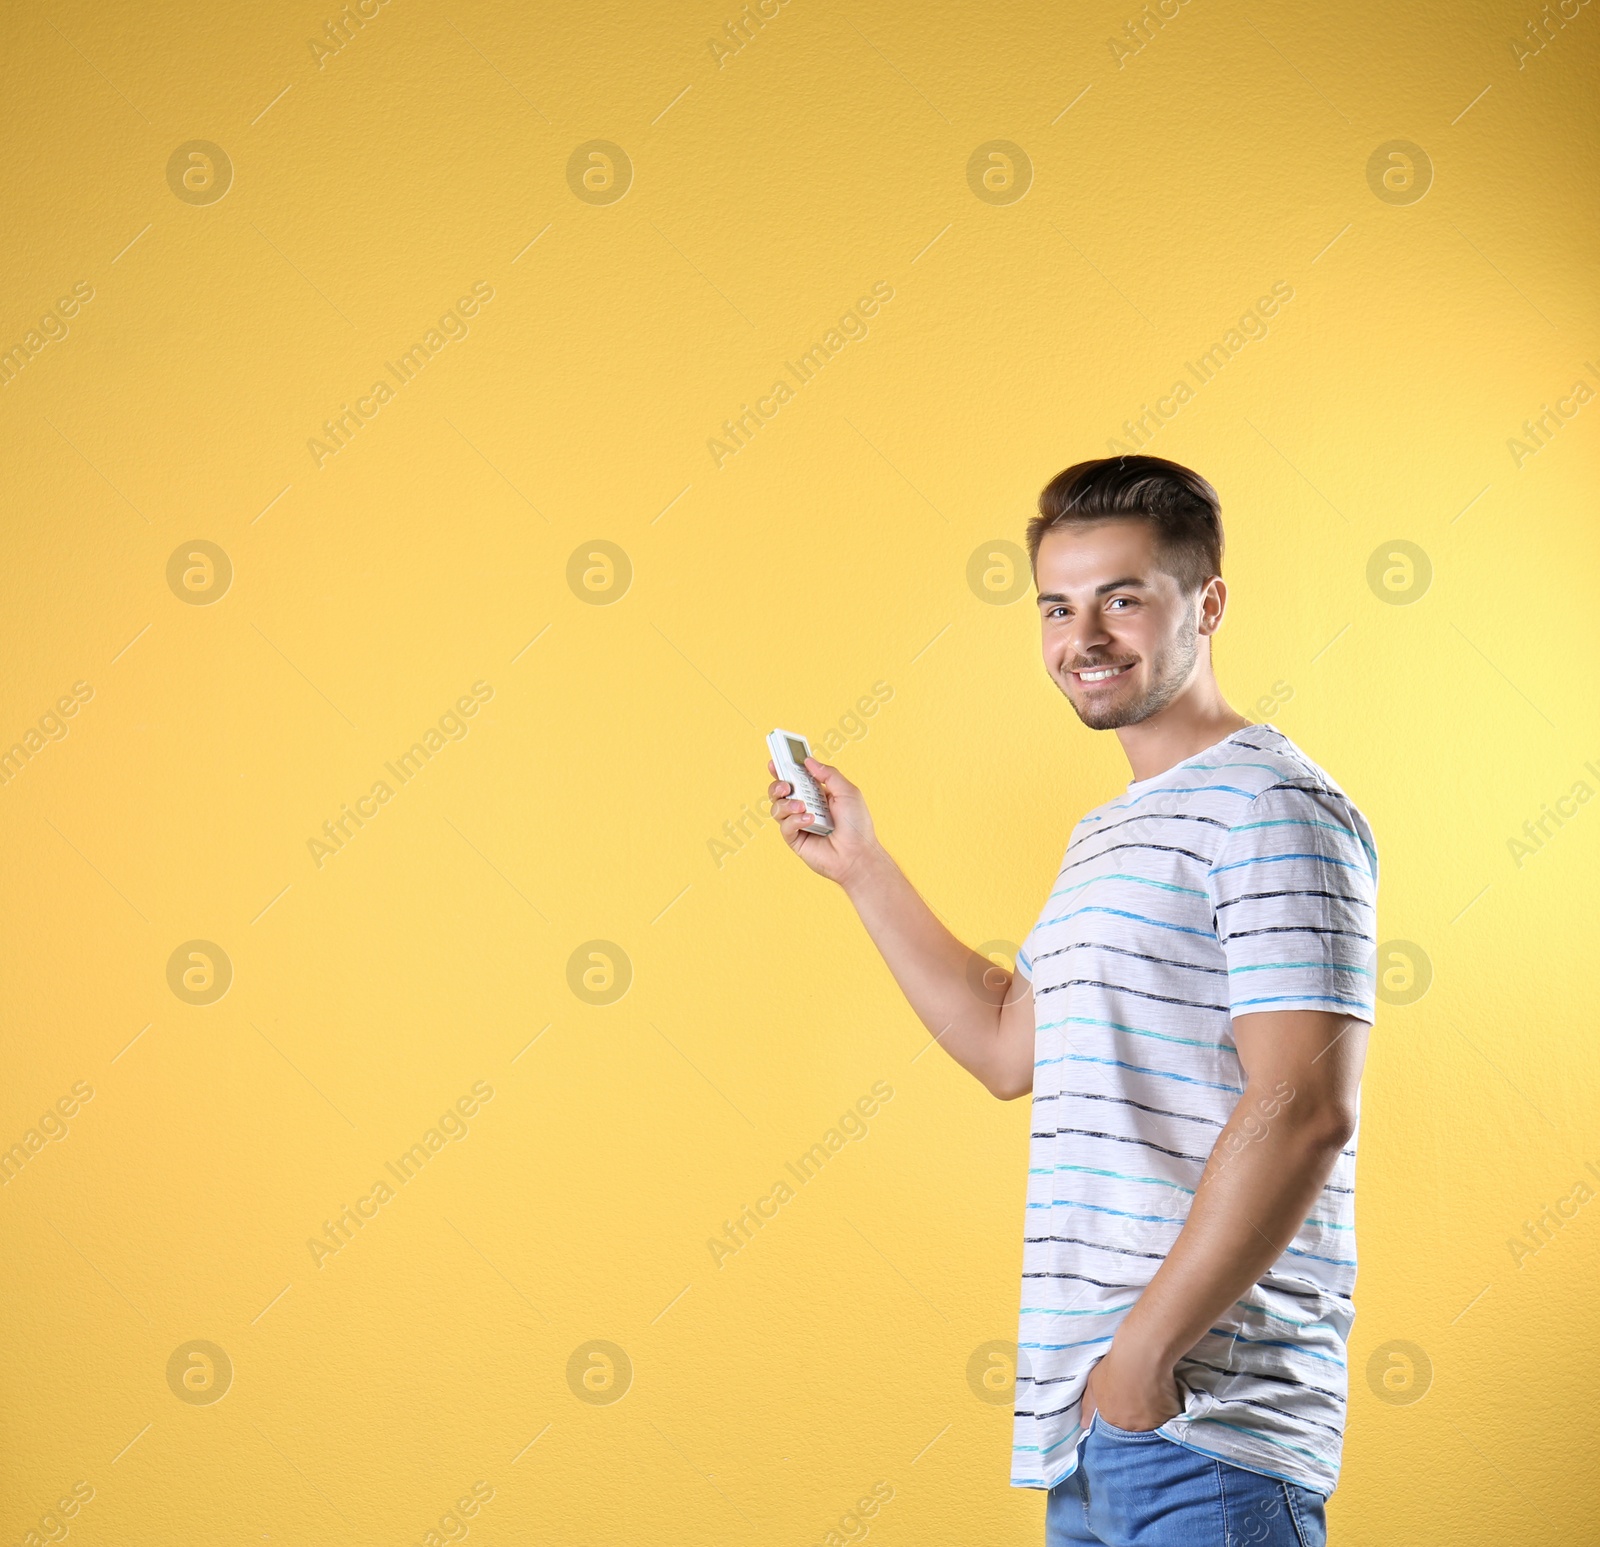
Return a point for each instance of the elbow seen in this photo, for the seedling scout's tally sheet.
(1009, 1090)
(1319, 1116)
(1343, 1128)
(1328, 1126)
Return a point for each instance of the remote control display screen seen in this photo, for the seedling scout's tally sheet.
(797, 751)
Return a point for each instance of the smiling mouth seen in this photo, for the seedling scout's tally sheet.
(1095, 674)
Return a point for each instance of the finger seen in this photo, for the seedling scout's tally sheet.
(828, 776)
(793, 827)
(777, 790)
(793, 809)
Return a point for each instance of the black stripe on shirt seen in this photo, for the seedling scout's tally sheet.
(1307, 789)
(1144, 956)
(1284, 1412)
(1281, 1380)
(1023, 1412)
(1099, 1283)
(1299, 929)
(1127, 1101)
(1120, 1138)
(1124, 988)
(1293, 892)
(1076, 1240)
(1146, 816)
(1160, 848)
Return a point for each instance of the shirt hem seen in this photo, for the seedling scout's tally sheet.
(1324, 1492)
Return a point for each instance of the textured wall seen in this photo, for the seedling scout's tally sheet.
(355, 399)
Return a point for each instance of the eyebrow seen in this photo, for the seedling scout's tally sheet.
(1129, 582)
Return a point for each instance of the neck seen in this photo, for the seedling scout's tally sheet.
(1199, 717)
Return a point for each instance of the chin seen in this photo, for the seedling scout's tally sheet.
(1112, 713)
(1110, 717)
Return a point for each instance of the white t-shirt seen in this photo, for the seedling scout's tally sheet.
(1240, 880)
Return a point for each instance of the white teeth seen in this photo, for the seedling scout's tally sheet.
(1100, 674)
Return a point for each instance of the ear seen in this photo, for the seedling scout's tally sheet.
(1213, 603)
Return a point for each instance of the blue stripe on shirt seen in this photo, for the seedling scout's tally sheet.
(1274, 859)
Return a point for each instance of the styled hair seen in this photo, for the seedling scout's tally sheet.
(1182, 506)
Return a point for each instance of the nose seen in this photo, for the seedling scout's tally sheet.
(1086, 634)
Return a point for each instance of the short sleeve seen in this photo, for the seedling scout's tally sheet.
(1294, 893)
(1024, 961)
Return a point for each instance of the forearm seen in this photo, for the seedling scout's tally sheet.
(955, 993)
(1259, 1184)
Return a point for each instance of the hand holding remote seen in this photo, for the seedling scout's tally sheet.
(842, 854)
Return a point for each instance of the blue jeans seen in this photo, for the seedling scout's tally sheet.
(1139, 1489)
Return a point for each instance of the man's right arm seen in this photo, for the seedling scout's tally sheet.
(978, 1012)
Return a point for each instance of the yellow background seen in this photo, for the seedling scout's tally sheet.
(370, 190)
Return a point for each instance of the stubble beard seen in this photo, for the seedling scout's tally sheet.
(1170, 669)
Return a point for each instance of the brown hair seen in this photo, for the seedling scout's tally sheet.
(1182, 506)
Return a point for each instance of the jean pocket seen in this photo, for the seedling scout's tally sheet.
(1100, 1421)
(1307, 1512)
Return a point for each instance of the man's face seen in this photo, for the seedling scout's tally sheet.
(1120, 638)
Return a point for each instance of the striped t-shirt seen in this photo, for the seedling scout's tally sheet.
(1241, 880)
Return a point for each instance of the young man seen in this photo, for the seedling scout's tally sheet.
(1190, 1013)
